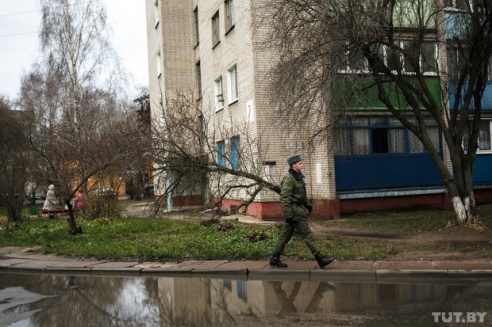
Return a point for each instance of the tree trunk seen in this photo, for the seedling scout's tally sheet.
(73, 229)
(13, 204)
(464, 208)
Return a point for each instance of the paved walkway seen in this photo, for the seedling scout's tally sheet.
(25, 261)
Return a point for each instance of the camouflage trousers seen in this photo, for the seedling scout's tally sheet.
(287, 232)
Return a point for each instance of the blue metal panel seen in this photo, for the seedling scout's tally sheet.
(483, 170)
(234, 145)
(385, 171)
(220, 153)
(486, 98)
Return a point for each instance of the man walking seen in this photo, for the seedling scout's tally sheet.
(294, 202)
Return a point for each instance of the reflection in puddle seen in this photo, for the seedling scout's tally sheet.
(61, 300)
(14, 304)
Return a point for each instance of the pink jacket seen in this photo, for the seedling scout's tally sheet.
(80, 201)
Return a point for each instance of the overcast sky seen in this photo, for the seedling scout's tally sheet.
(20, 22)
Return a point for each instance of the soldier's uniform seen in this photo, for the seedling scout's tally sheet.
(294, 202)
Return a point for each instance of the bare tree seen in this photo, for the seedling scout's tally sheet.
(139, 171)
(78, 126)
(190, 164)
(336, 55)
(108, 136)
(14, 161)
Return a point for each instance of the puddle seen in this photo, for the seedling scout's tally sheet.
(29, 300)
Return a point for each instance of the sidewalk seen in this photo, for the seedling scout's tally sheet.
(14, 260)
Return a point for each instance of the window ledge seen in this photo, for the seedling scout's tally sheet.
(230, 29)
(367, 72)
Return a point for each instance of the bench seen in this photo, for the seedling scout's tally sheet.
(57, 210)
(54, 212)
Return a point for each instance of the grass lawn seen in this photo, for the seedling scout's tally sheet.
(161, 239)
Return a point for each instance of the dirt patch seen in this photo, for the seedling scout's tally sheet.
(452, 243)
(354, 232)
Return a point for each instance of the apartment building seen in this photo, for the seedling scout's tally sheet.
(215, 50)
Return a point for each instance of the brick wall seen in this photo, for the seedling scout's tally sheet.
(251, 116)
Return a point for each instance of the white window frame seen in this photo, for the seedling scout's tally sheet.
(421, 61)
(487, 151)
(219, 94)
(232, 84)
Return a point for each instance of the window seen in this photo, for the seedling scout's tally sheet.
(159, 64)
(354, 62)
(429, 57)
(229, 12)
(425, 54)
(490, 68)
(397, 58)
(368, 135)
(215, 29)
(484, 136)
(380, 138)
(484, 144)
(156, 13)
(393, 57)
(453, 63)
(456, 4)
(227, 284)
(232, 84)
(198, 73)
(241, 290)
(235, 147)
(219, 96)
(196, 22)
(220, 153)
(411, 50)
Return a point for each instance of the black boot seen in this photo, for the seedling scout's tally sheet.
(322, 260)
(275, 262)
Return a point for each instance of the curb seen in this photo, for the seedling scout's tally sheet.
(371, 276)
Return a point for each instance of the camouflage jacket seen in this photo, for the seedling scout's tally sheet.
(293, 195)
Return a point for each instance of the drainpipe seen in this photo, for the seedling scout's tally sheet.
(169, 192)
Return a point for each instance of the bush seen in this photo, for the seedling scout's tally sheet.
(101, 206)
